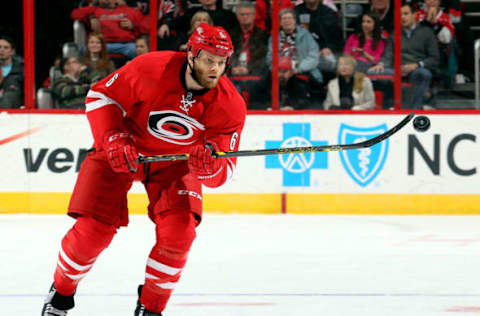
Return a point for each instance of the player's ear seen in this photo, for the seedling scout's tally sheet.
(190, 58)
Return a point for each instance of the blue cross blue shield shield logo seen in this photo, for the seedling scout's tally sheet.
(363, 165)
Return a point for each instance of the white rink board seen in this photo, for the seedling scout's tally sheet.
(385, 170)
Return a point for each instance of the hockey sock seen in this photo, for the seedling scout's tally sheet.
(175, 232)
(80, 248)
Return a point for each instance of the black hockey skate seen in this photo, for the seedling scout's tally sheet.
(57, 304)
(140, 310)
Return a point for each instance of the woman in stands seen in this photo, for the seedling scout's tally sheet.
(197, 18)
(96, 56)
(366, 46)
(350, 90)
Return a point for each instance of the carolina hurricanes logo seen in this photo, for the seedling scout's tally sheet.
(173, 127)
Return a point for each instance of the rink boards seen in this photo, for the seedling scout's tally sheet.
(411, 173)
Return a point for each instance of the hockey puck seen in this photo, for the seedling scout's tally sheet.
(421, 123)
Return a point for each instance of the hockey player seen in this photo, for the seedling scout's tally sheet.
(159, 103)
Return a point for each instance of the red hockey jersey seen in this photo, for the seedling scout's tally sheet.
(161, 114)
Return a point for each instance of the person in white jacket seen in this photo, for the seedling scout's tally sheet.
(350, 90)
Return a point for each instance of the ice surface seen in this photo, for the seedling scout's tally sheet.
(260, 265)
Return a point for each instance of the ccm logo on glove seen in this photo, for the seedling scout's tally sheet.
(121, 152)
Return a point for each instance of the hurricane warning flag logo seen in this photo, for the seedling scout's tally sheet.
(363, 165)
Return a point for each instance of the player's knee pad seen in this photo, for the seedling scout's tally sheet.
(175, 232)
(88, 237)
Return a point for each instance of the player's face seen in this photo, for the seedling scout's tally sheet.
(209, 68)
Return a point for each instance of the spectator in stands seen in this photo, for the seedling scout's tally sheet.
(322, 23)
(350, 90)
(70, 90)
(198, 18)
(463, 35)
(420, 57)
(11, 75)
(220, 17)
(250, 43)
(167, 11)
(96, 56)
(298, 44)
(142, 44)
(295, 90)
(263, 13)
(119, 24)
(248, 59)
(384, 10)
(366, 46)
(433, 16)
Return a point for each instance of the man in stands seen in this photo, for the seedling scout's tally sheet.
(220, 17)
(71, 89)
(119, 24)
(159, 103)
(11, 75)
(248, 59)
(321, 21)
(299, 45)
(420, 57)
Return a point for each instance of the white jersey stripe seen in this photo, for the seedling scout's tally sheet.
(72, 263)
(104, 100)
(162, 267)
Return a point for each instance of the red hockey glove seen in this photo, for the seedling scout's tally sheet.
(121, 152)
(202, 161)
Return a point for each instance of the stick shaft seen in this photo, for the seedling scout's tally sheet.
(294, 150)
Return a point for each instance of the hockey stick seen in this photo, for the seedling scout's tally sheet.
(294, 150)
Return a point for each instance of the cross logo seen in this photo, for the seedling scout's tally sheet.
(296, 167)
(187, 102)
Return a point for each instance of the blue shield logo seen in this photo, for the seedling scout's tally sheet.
(363, 165)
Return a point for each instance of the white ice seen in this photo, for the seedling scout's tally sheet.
(259, 265)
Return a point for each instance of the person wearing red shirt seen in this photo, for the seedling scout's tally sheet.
(263, 13)
(248, 59)
(120, 25)
(159, 103)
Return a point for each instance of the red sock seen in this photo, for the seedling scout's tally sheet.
(175, 232)
(80, 248)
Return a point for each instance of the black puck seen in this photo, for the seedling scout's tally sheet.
(421, 123)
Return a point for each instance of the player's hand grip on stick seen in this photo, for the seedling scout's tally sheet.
(121, 152)
(202, 160)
